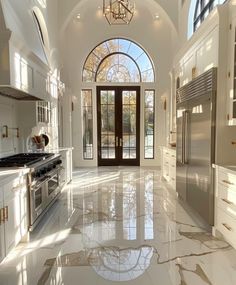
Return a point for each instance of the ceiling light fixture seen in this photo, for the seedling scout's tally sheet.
(118, 12)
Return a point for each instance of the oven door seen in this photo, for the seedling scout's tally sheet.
(53, 185)
(37, 200)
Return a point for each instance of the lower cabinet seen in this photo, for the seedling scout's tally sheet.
(168, 165)
(13, 214)
(225, 204)
(66, 173)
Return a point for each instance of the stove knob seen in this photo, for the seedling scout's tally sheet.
(38, 174)
(44, 170)
(59, 161)
(50, 167)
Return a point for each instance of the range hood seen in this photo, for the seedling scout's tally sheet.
(11, 67)
(17, 94)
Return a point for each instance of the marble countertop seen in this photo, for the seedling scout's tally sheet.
(230, 167)
(8, 174)
(60, 149)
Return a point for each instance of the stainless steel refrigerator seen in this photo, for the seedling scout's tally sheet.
(196, 119)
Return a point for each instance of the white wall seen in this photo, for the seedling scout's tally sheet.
(8, 116)
(157, 37)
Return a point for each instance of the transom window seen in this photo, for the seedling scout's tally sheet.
(118, 60)
(202, 10)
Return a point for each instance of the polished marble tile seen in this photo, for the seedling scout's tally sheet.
(120, 224)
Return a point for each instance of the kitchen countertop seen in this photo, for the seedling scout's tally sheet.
(230, 167)
(8, 174)
(60, 149)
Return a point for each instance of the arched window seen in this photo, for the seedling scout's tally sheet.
(198, 11)
(118, 60)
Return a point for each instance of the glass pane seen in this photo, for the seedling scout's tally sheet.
(88, 76)
(126, 120)
(135, 51)
(123, 66)
(144, 62)
(133, 97)
(149, 124)
(133, 141)
(105, 153)
(104, 118)
(126, 153)
(87, 110)
(129, 124)
(148, 76)
(103, 97)
(126, 142)
(112, 153)
(111, 97)
(133, 154)
(111, 118)
(118, 68)
(107, 99)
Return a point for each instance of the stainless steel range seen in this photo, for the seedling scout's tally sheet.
(43, 181)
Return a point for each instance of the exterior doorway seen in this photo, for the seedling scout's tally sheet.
(118, 125)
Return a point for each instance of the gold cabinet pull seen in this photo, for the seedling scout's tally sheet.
(1, 216)
(6, 213)
(227, 227)
(227, 182)
(227, 201)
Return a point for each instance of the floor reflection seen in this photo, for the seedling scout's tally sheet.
(120, 225)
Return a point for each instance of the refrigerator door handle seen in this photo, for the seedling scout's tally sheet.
(186, 123)
(183, 139)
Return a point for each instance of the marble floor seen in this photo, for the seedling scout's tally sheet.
(120, 224)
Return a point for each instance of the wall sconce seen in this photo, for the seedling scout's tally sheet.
(164, 102)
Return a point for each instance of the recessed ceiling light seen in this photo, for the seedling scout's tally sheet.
(157, 16)
(78, 16)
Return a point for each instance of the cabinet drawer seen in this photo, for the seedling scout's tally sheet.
(227, 200)
(226, 225)
(227, 179)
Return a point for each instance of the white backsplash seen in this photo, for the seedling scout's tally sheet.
(8, 116)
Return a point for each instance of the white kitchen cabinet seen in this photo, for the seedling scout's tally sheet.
(14, 214)
(2, 239)
(168, 166)
(231, 90)
(66, 173)
(225, 204)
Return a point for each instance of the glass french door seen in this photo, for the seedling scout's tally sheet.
(118, 125)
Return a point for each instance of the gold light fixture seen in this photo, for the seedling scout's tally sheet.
(118, 12)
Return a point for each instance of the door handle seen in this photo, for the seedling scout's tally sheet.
(183, 138)
(117, 141)
(121, 142)
(186, 138)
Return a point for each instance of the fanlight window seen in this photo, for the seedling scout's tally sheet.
(118, 60)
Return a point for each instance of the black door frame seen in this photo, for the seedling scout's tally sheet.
(118, 161)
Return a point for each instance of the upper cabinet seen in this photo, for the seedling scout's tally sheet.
(231, 89)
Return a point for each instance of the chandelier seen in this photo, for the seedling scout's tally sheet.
(118, 12)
